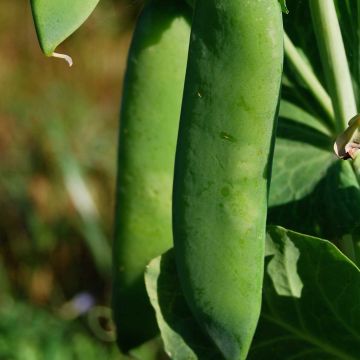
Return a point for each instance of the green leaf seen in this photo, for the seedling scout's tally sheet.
(310, 301)
(298, 168)
(55, 20)
(182, 336)
(295, 113)
(331, 210)
(303, 154)
(310, 304)
(306, 76)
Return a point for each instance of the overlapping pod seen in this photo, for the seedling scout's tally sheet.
(149, 125)
(223, 163)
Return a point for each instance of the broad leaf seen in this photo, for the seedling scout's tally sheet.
(295, 113)
(310, 301)
(55, 20)
(331, 210)
(302, 160)
(310, 304)
(182, 336)
(297, 170)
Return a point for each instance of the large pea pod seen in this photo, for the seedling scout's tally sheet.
(223, 164)
(150, 116)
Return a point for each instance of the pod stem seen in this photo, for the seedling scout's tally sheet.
(307, 75)
(334, 61)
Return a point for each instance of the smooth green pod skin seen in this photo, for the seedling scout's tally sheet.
(55, 20)
(223, 164)
(150, 116)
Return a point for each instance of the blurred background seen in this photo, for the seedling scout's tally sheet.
(58, 140)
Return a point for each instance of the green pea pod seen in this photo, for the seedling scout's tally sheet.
(149, 125)
(55, 20)
(223, 164)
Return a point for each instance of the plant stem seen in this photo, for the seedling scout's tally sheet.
(333, 57)
(337, 72)
(306, 74)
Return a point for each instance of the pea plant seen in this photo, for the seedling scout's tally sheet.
(208, 254)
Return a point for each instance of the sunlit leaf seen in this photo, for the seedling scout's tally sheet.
(57, 20)
(310, 301)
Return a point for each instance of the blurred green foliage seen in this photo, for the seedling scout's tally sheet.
(27, 333)
(58, 141)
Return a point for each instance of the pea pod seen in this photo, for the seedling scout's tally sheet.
(223, 163)
(150, 115)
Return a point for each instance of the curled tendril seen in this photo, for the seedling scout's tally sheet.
(67, 58)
